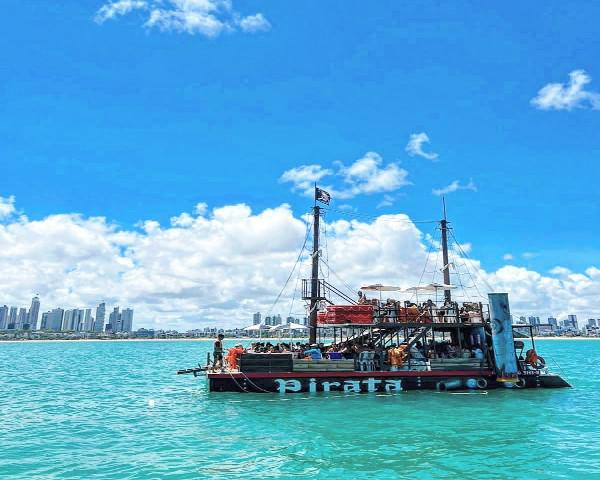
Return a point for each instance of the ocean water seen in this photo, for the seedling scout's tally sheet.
(116, 410)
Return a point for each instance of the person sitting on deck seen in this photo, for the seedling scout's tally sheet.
(333, 354)
(234, 354)
(396, 355)
(534, 360)
(314, 352)
(362, 299)
(478, 352)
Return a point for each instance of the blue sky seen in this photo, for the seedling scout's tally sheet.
(133, 123)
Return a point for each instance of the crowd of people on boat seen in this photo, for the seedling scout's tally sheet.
(394, 357)
(393, 311)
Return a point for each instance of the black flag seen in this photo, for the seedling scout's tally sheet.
(322, 196)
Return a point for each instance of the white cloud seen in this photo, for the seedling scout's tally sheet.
(255, 23)
(529, 255)
(367, 175)
(560, 96)
(453, 187)
(205, 17)
(387, 201)
(222, 267)
(7, 207)
(118, 8)
(508, 257)
(415, 146)
(303, 178)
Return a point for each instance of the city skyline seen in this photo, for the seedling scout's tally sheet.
(65, 320)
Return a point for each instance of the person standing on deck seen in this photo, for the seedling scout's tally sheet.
(218, 351)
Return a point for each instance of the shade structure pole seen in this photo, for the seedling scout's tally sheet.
(314, 290)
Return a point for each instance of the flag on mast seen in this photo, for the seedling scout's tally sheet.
(322, 196)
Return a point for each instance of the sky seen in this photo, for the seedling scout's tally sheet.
(141, 138)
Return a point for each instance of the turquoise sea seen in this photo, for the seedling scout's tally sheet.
(116, 410)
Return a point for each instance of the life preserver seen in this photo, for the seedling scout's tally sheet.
(533, 359)
(482, 383)
(541, 363)
(520, 383)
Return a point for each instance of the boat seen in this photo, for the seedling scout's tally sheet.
(370, 345)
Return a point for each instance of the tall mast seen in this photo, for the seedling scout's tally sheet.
(314, 289)
(444, 225)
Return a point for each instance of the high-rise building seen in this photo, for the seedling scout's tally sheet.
(100, 313)
(113, 321)
(44, 321)
(21, 319)
(54, 320)
(534, 320)
(591, 322)
(522, 320)
(67, 321)
(572, 322)
(12, 318)
(256, 318)
(34, 311)
(126, 320)
(88, 320)
(277, 320)
(4, 317)
(268, 321)
(552, 321)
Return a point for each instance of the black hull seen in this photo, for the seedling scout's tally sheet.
(365, 382)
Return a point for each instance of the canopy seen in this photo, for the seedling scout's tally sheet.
(378, 287)
(431, 287)
(254, 328)
(289, 326)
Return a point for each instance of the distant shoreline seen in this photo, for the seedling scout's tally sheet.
(99, 340)
(207, 339)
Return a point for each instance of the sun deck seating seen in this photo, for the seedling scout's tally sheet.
(323, 365)
(456, 363)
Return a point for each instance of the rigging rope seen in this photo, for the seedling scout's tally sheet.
(293, 269)
(380, 218)
(460, 249)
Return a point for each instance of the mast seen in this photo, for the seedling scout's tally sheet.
(446, 270)
(314, 289)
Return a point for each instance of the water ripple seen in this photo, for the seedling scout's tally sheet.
(115, 410)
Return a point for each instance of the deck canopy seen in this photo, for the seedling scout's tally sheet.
(256, 328)
(430, 287)
(378, 287)
(288, 326)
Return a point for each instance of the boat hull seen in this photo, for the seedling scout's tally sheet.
(365, 382)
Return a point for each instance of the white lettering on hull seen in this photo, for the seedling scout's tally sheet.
(349, 386)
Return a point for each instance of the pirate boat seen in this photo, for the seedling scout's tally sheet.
(392, 346)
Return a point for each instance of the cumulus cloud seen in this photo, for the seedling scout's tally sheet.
(367, 175)
(255, 23)
(387, 201)
(303, 178)
(221, 266)
(415, 146)
(454, 187)
(561, 96)
(7, 207)
(205, 17)
(118, 8)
